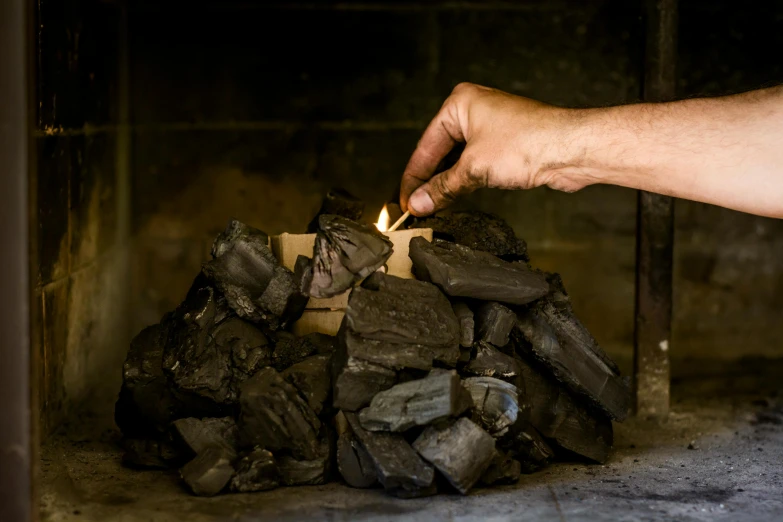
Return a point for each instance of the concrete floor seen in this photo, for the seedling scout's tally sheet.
(719, 457)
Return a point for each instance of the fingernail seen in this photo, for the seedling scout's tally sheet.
(421, 202)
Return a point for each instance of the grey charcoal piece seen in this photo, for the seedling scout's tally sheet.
(345, 252)
(491, 362)
(355, 380)
(461, 451)
(290, 349)
(415, 403)
(146, 405)
(476, 230)
(200, 434)
(341, 203)
(307, 472)
(210, 352)
(235, 231)
(564, 421)
(504, 470)
(354, 463)
(462, 272)
(466, 323)
(400, 469)
(209, 472)
(397, 310)
(398, 355)
(303, 273)
(324, 344)
(313, 378)
(256, 287)
(256, 471)
(573, 363)
(494, 323)
(249, 348)
(528, 446)
(272, 414)
(496, 404)
(149, 453)
(192, 360)
(557, 303)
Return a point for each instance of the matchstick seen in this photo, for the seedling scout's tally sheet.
(399, 221)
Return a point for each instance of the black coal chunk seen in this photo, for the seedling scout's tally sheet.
(397, 310)
(199, 434)
(528, 446)
(290, 349)
(150, 453)
(462, 272)
(324, 344)
(256, 287)
(255, 471)
(400, 469)
(356, 381)
(345, 252)
(308, 472)
(146, 406)
(551, 340)
(505, 469)
(466, 323)
(235, 231)
(496, 404)
(563, 420)
(312, 377)
(353, 461)
(209, 352)
(415, 403)
(209, 472)
(274, 415)
(494, 323)
(477, 230)
(461, 451)
(491, 362)
(391, 324)
(340, 203)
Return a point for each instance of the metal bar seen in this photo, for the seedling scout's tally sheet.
(655, 233)
(15, 434)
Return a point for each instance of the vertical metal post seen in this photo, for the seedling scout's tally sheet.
(655, 233)
(15, 435)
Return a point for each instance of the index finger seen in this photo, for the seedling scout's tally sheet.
(440, 136)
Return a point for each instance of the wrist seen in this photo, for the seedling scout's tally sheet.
(568, 160)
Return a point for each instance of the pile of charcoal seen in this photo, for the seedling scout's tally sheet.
(472, 373)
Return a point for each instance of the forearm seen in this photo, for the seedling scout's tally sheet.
(726, 151)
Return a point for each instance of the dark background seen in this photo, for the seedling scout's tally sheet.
(157, 121)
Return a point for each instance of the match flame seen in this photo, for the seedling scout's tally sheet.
(383, 220)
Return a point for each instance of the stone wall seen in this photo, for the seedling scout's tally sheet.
(254, 109)
(80, 210)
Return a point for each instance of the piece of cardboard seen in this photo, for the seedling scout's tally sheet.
(325, 315)
(287, 247)
(320, 321)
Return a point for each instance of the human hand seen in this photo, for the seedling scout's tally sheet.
(510, 142)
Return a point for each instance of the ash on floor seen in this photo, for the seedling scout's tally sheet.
(719, 457)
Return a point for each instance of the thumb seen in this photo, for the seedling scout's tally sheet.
(442, 189)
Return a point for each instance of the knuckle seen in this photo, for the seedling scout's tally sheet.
(463, 87)
(444, 188)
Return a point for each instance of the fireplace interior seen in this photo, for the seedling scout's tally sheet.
(153, 124)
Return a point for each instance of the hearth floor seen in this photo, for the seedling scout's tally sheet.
(734, 472)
